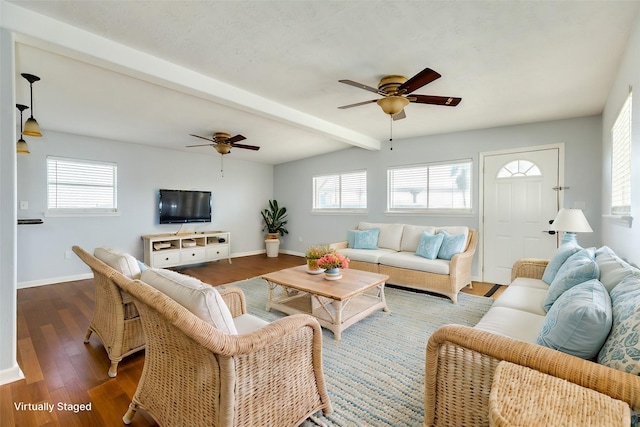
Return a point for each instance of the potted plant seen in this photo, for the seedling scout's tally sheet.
(275, 219)
(313, 254)
(332, 263)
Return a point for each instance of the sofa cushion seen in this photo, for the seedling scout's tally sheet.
(452, 244)
(621, 350)
(562, 254)
(523, 298)
(366, 239)
(247, 323)
(578, 268)
(429, 245)
(365, 255)
(529, 282)
(411, 235)
(579, 321)
(411, 261)
(612, 268)
(390, 234)
(120, 261)
(202, 300)
(513, 323)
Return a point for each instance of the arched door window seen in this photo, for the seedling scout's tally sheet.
(519, 169)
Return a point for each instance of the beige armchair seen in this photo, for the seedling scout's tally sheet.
(115, 318)
(195, 375)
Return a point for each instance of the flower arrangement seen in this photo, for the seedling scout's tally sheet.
(317, 252)
(333, 260)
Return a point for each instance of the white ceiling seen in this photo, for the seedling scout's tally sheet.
(153, 72)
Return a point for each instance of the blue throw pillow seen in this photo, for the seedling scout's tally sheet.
(351, 237)
(429, 245)
(621, 350)
(579, 268)
(562, 254)
(452, 244)
(366, 239)
(579, 321)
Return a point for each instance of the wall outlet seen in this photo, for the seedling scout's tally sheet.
(300, 239)
(24, 205)
(67, 255)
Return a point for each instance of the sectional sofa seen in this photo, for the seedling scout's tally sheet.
(436, 259)
(575, 317)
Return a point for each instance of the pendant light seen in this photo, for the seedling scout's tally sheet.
(31, 126)
(21, 145)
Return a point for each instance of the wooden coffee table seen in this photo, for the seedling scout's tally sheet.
(337, 304)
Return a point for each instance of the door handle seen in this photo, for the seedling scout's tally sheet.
(552, 232)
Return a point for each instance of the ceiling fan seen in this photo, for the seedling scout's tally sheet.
(395, 90)
(223, 142)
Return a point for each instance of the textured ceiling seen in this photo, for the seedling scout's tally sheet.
(270, 69)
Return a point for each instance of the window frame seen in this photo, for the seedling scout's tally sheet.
(340, 209)
(428, 210)
(81, 211)
(623, 125)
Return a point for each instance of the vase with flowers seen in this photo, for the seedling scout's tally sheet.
(313, 254)
(332, 263)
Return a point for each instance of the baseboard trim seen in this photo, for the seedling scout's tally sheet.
(11, 375)
(54, 280)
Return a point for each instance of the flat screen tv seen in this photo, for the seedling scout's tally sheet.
(184, 206)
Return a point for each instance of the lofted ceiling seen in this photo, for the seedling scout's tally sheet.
(152, 72)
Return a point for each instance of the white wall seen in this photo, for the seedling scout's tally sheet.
(238, 198)
(615, 233)
(292, 181)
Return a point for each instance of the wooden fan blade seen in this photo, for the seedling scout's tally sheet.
(401, 115)
(358, 104)
(200, 145)
(424, 77)
(235, 139)
(248, 147)
(436, 100)
(202, 137)
(360, 85)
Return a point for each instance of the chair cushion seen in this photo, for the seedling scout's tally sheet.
(452, 244)
(562, 254)
(579, 321)
(366, 239)
(411, 235)
(621, 350)
(247, 323)
(578, 268)
(429, 245)
(612, 268)
(121, 261)
(202, 300)
(390, 234)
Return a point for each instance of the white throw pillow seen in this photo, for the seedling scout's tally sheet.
(121, 261)
(201, 299)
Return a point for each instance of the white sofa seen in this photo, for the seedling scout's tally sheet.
(395, 255)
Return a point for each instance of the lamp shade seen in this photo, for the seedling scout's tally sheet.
(22, 147)
(572, 221)
(392, 105)
(31, 127)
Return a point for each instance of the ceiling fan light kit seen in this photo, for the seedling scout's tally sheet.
(31, 126)
(392, 105)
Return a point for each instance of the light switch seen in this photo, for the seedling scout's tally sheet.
(24, 205)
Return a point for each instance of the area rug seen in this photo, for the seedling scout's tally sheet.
(375, 373)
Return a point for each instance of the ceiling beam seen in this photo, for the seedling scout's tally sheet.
(45, 33)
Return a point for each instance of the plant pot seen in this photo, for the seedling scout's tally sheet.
(273, 246)
(332, 274)
(273, 236)
(312, 264)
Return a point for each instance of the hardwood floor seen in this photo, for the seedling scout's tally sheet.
(60, 370)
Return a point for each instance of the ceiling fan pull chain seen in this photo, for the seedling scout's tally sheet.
(391, 132)
(222, 166)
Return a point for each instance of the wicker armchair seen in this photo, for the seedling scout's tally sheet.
(194, 375)
(115, 318)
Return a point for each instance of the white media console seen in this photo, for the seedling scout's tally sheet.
(170, 250)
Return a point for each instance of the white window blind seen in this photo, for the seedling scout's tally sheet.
(621, 161)
(344, 191)
(430, 187)
(81, 186)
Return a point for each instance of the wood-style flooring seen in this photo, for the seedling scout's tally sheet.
(60, 370)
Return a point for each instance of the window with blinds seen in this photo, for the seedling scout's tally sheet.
(430, 187)
(81, 186)
(340, 192)
(621, 161)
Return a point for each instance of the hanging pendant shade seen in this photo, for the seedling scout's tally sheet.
(31, 126)
(21, 145)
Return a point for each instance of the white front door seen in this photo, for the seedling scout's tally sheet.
(520, 198)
